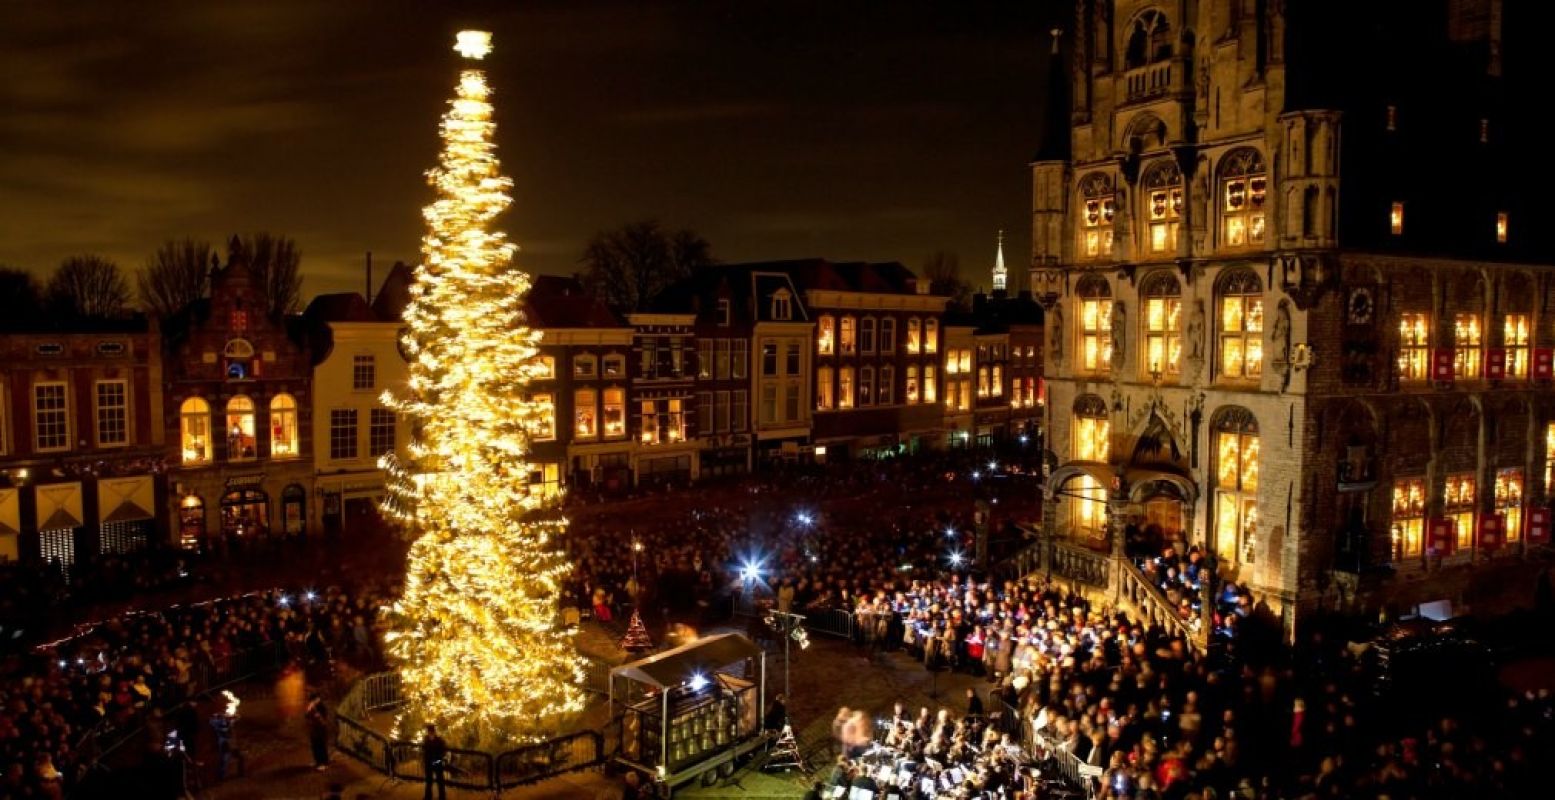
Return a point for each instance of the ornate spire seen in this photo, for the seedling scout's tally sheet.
(1000, 274)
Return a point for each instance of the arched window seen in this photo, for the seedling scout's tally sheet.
(1244, 184)
(1092, 429)
(931, 336)
(1163, 204)
(1095, 324)
(914, 335)
(1240, 295)
(825, 335)
(195, 425)
(1161, 296)
(845, 387)
(847, 343)
(1236, 481)
(1149, 40)
(866, 386)
(241, 443)
(1098, 206)
(885, 393)
(823, 389)
(283, 426)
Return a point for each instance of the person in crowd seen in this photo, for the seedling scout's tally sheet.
(434, 763)
(316, 717)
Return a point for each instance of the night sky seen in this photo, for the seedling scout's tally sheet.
(847, 130)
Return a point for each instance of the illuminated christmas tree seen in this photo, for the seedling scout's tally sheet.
(476, 634)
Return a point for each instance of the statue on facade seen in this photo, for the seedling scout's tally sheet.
(1279, 342)
(1195, 336)
(1119, 336)
(1055, 336)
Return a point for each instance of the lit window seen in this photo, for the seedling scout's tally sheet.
(51, 419)
(1236, 486)
(1095, 325)
(5, 424)
(1501, 227)
(241, 442)
(931, 336)
(614, 413)
(615, 366)
(545, 416)
(982, 382)
(911, 391)
(545, 367)
(964, 358)
(1549, 457)
(585, 414)
(1396, 219)
(930, 384)
(1514, 335)
(823, 335)
(1414, 347)
(847, 342)
(885, 391)
(1408, 517)
(112, 413)
(1163, 201)
(195, 430)
(1098, 208)
(1088, 509)
(1509, 501)
(676, 421)
(1163, 325)
(845, 387)
(545, 480)
(1458, 506)
(866, 386)
(964, 399)
(823, 388)
(650, 422)
(1241, 325)
(283, 426)
(997, 389)
(380, 432)
(1092, 430)
(362, 372)
(1244, 184)
(914, 332)
(866, 335)
(342, 434)
(1466, 346)
(583, 367)
(887, 336)
(705, 357)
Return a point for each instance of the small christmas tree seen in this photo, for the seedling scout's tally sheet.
(475, 634)
(636, 637)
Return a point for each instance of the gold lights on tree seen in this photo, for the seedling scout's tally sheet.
(475, 634)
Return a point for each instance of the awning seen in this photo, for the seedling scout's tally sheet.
(126, 499)
(10, 512)
(673, 667)
(59, 506)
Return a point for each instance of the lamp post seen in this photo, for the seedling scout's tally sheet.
(788, 624)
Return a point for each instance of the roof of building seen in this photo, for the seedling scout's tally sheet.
(747, 287)
(810, 274)
(555, 301)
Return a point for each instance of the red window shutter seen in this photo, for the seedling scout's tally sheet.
(1442, 365)
(1442, 536)
(1495, 364)
(1537, 528)
(1492, 531)
(1543, 363)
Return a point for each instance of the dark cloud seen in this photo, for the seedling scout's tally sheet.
(849, 130)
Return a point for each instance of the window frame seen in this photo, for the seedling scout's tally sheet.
(1161, 325)
(1243, 173)
(1516, 339)
(866, 335)
(228, 413)
(930, 384)
(824, 391)
(930, 336)
(382, 432)
(283, 419)
(1241, 289)
(343, 434)
(885, 389)
(585, 367)
(1460, 494)
(1097, 209)
(204, 416)
(1093, 329)
(1468, 346)
(545, 412)
(64, 434)
(1407, 522)
(1163, 203)
(887, 336)
(1414, 347)
(1509, 499)
(914, 336)
(364, 372)
(845, 388)
(826, 335)
(585, 399)
(605, 408)
(123, 409)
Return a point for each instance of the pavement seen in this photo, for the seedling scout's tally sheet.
(830, 674)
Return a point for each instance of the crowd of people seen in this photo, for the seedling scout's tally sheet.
(136, 677)
(1144, 716)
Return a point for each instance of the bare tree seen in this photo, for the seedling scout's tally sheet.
(88, 286)
(177, 274)
(629, 266)
(274, 263)
(943, 272)
(21, 298)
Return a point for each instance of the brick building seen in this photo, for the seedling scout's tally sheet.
(239, 408)
(663, 398)
(1294, 317)
(877, 340)
(82, 456)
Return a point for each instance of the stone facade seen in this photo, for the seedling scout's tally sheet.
(1236, 357)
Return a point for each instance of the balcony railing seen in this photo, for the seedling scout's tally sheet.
(1152, 606)
(1151, 80)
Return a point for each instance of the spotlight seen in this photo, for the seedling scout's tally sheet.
(956, 558)
(310, 596)
(993, 466)
(1024, 438)
(61, 663)
(976, 474)
(803, 519)
(698, 682)
(283, 600)
(950, 533)
(750, 571)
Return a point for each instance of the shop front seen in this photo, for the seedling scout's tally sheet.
(245, 513)
(126, 514)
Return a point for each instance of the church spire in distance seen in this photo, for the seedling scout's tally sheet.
(1000, 274)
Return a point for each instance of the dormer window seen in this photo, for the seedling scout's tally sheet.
(782, 306)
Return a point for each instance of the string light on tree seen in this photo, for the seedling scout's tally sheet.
(476, 634)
